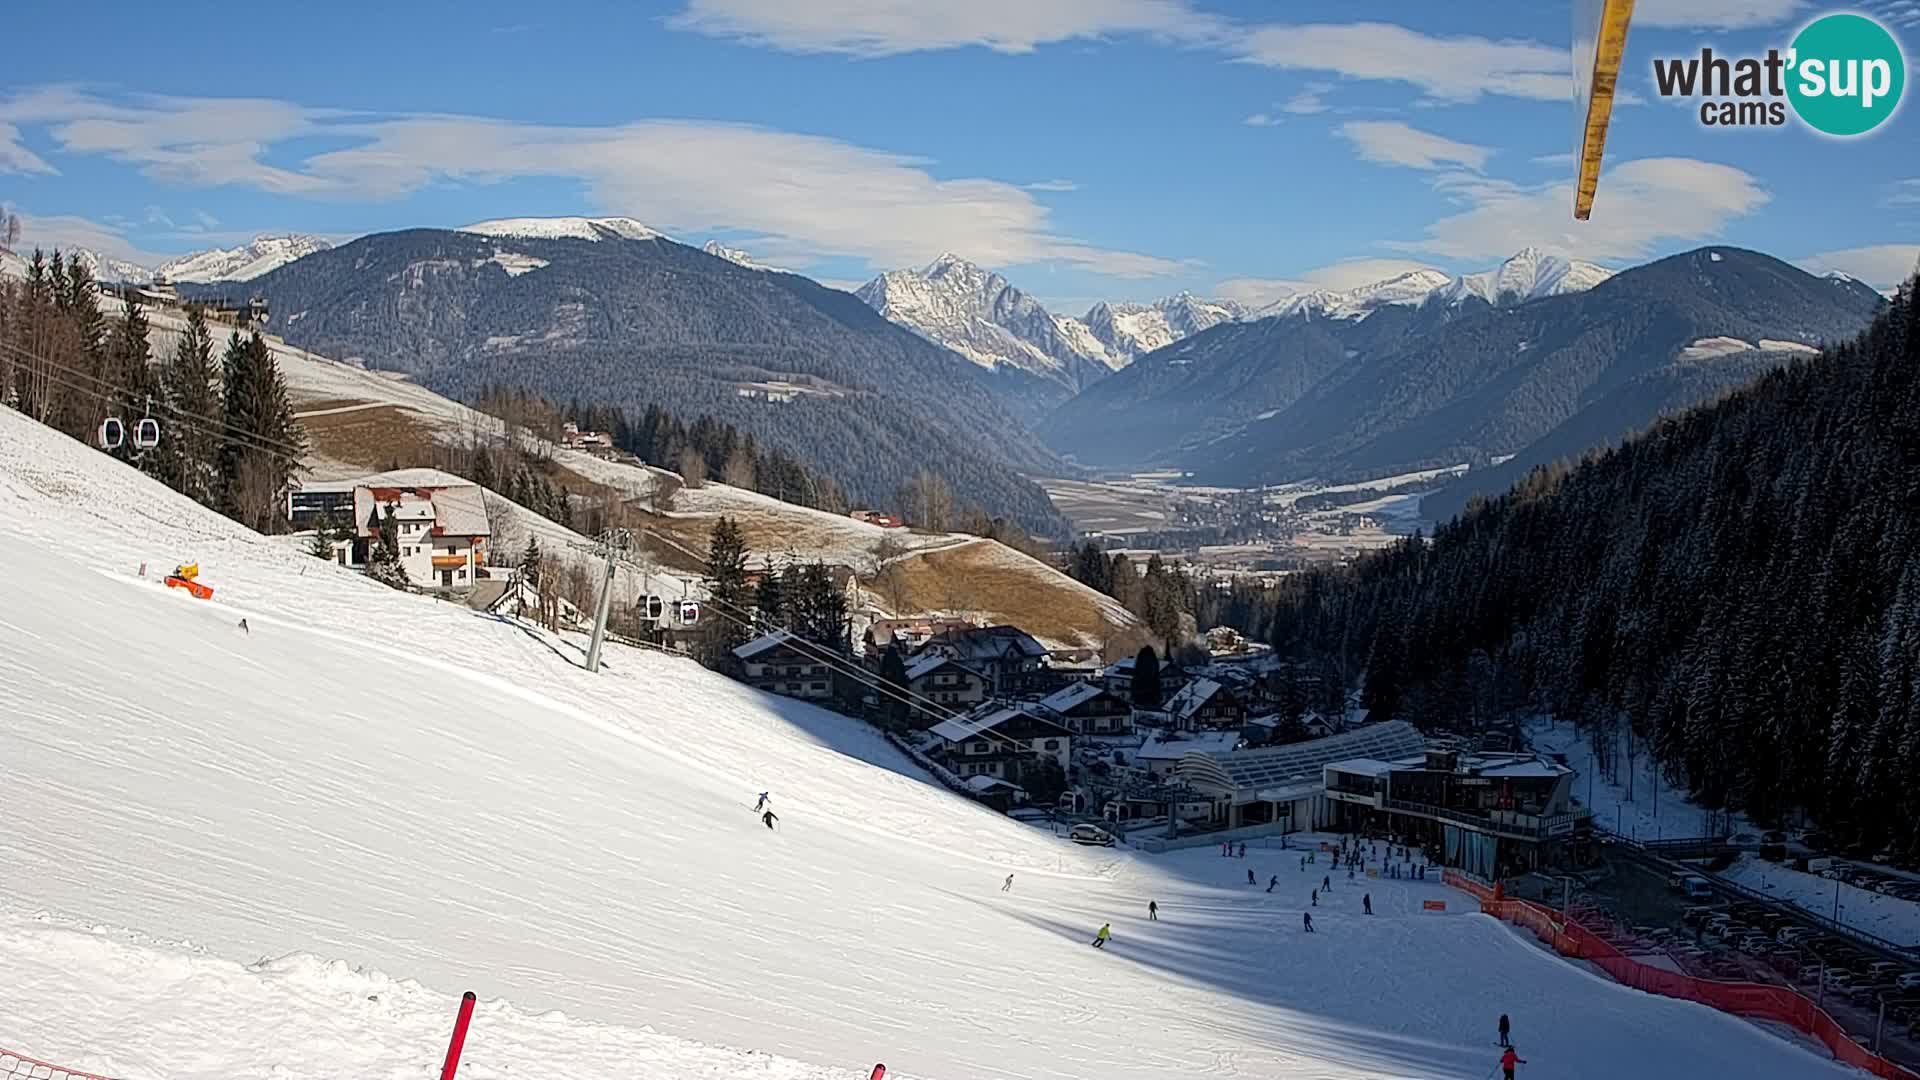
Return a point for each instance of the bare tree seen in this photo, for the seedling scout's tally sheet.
(499, 524)
(738, 471)
(693, 467)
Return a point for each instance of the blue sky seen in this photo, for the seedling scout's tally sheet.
(1119, 149)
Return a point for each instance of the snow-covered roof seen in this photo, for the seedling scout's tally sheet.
(932, 662)
(412, 508)
(761, 644)
(1193, 697)
(461, 511)
(986, 643)
(984, 783)
(1528, 768)
(1162, 748)
(1073, 695)
(960, 729)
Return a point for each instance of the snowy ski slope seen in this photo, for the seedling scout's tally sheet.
(378, 801)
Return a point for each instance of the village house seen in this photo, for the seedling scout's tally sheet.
(1009, 742)
(880, 518)
(1164, 750)
(945, 682)
(910, 632)
(1010, 658)
(598, 443)
(440, 523)
(1205, 703)
(774, 663)
(1086, 708)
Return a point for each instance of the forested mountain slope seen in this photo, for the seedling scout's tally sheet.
(1740, 584)
(809, 370)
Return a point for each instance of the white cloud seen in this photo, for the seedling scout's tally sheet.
(64, 232)
(889, 27)
(1881, 265)
(1053, 185)
(1639, 206)
(1903, 193)
(806, 196)
(1713, 14)
(1337, 277)
(1449, 69)
(1261, 119)
(16, 158)
(1390, 142)
(1310, 100)
(1562, 160)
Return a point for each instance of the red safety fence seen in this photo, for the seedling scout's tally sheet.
(21, 1067)
(1756, 1000)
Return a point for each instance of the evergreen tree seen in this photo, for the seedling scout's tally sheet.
(136, 390)
(261, 446)
(1146, 679)
(530, 568)
(191, 446)
(321, 546)
(893, 675)
(383, 561)
(771, 599)
(727, 592)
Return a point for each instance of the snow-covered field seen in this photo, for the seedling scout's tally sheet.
(1885, 916)
(283, 853)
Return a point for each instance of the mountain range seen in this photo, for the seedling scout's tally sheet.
(985, 318)
(1457, 378)
(243, 263)
(607, 310)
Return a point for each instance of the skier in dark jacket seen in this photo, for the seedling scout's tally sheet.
(1272, 881)
(1504, 1041)
(1307, 917)
(1366, 902)
(1153, 911)
(1327, 883)
(769, 818)
(1251, 880)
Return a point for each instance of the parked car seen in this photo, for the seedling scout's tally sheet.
(1696, 888)
(1090, 834)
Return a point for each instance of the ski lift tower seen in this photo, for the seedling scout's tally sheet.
(612, 546)
(1599, 41)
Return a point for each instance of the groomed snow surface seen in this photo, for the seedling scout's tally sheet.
(285, 852)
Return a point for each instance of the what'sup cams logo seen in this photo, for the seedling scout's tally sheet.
(1842, 76)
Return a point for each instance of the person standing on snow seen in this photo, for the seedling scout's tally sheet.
(1366, 902)
(243, 628)
(1504, 1041)
(769, 819)
(1008, 887)
(1243, 851)
(1272, 881)
(1508, 1060)
(1316, 898)
(1153, 911)
(1251, 880)
(1326, 883)
(1100, 939)
(1307, 917)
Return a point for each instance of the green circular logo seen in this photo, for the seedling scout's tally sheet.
(1846, 74)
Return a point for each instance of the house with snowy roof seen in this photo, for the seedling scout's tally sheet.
(946, 682)
(1207, 703)
(784, 663)
(1087, 708)
(1010, 658)
(1008, 742)
(440, 521)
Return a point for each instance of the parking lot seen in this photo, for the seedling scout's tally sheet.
(1640, 906)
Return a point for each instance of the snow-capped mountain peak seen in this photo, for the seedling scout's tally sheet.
(738, 257)
(980, 315)
(1529, 274)
(244, 263)
(567, 228)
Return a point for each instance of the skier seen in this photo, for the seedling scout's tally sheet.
(762, 804)
(1153, 911)
(1100, 939)
(1366, 902)
(1326, 883)
(1303, 864)
(769, 819)
(1225, 849)
(1272, 881)
(1307, 917)
(1508, 1060)
(1503, 1030)
(1243, 851)
(1008, 887)
(1251, 880)
(1316, 898)
(243, 628)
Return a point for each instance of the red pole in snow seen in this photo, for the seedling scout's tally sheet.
(459, 1036)
(879, 1073)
